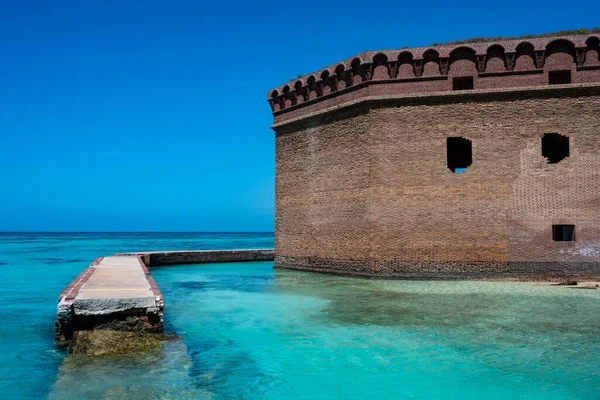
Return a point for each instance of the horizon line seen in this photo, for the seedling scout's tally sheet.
(1, 232)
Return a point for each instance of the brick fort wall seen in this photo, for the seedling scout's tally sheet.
(363, 185)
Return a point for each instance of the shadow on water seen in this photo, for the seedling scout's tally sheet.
(193, 285)
(219, 362)
(154, 375)
(250, 284)
(51, 261)
(216, 365)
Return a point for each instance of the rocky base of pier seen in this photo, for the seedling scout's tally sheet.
(107, 342)
(66, 328)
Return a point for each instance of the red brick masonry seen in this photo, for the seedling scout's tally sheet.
(155, 290)
(362, 181)
(72, 289)
(493, 65)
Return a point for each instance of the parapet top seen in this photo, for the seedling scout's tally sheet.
(418, 63)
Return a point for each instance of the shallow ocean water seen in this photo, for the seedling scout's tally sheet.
(251, 332)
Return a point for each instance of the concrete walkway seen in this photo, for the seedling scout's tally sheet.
(110, 288)
(118, 283)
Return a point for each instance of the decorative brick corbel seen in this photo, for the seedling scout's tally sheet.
(418, 67)
(481, 62)
(272, 104)
(367, 69)
(293, 97)
(319, 88)
(279, 101)
(333, 82)
(298, 96)
(349, 77)
(444, 64)
(510, 61)
(580, 55)
(539, 58)
(306, 92)
(393, 69)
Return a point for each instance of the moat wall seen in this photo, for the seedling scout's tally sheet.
(367, 190)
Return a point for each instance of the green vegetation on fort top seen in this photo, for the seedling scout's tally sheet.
(583, 31)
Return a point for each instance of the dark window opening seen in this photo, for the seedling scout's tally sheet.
(464, 83)
(460, 155)
(559, 77)
(555, 147)
(563, 233)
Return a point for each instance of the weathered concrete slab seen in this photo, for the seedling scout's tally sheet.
(118, 284)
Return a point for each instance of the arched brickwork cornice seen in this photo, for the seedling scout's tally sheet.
(430, 64)
(430, 54)
(274, 101)
(496, 60)
(300, 91)
(357, 71)
(407, 66)
(421, 53)
(524, 57)
(328, 82)
(464, 54)
(405, 56)
(381, 67)
(592, 52)
(287, 97)
(562, 47)
(592, 40)
(524, 46)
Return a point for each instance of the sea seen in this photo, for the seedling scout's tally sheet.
(248, 331)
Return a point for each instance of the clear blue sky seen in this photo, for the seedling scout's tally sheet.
(151, 115)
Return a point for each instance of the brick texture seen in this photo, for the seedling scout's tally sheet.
(365, 189)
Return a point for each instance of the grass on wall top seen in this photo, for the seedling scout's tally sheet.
(582, 31)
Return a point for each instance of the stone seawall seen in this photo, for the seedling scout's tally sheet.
(448, 270)
(163, 258)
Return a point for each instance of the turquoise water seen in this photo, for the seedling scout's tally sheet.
(34, 268)
(250, 332)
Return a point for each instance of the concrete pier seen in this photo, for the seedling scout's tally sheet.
(118, 292)
(112, 291)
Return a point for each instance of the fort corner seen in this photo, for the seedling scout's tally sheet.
(466, 161)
